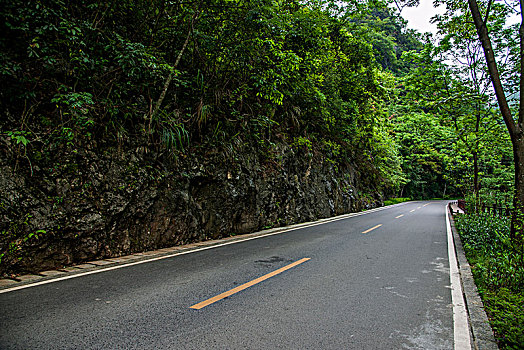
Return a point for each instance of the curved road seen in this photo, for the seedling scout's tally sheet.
(376, 280)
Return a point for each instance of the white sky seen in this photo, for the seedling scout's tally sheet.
(418, 17)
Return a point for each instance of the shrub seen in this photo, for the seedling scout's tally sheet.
(499, 274)
(396, 201)
(507, 317)
(483, 234)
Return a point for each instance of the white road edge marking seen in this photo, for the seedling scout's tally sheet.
(461, 336)
(298, 227)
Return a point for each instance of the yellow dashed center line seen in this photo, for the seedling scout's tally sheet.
(401, 215)
(246, 285)
(373, 228)
(411, 211)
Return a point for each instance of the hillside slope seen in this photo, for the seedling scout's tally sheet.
(150, 123)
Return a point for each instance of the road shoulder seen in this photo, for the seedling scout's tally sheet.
(91, 267)
(481, 330)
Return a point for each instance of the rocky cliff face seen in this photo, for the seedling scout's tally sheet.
(93, 205)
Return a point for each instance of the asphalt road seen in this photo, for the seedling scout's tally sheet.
(388, 288)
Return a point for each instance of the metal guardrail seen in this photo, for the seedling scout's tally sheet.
(495, 210)
(462, 205)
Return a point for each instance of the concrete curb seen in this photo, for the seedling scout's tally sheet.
(483, 338)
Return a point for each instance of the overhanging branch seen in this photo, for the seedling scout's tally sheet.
(482, 31)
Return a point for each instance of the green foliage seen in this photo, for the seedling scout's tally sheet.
(301, 141)
(174, 135)
(427, 155)
(15, 238)
(245, 69)
(506, 317)
(382, 26)
(447, 131)
(483, 233)
(392, 201)
(19, 137)
(498, 268)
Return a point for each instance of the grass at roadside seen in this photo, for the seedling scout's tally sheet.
(396, 201)
(499, 274)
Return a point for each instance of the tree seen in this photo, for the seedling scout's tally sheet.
(447, 98)
(427, 154)
(515, 127)
(503, 47)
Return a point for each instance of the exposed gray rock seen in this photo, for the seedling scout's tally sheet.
(98, 205)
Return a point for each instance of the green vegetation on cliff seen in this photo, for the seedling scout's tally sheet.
(180, 77)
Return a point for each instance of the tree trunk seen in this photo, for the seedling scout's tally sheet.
(476, 179)
(158, 103)
(476, 161)
(517, 218)
(482, 31)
